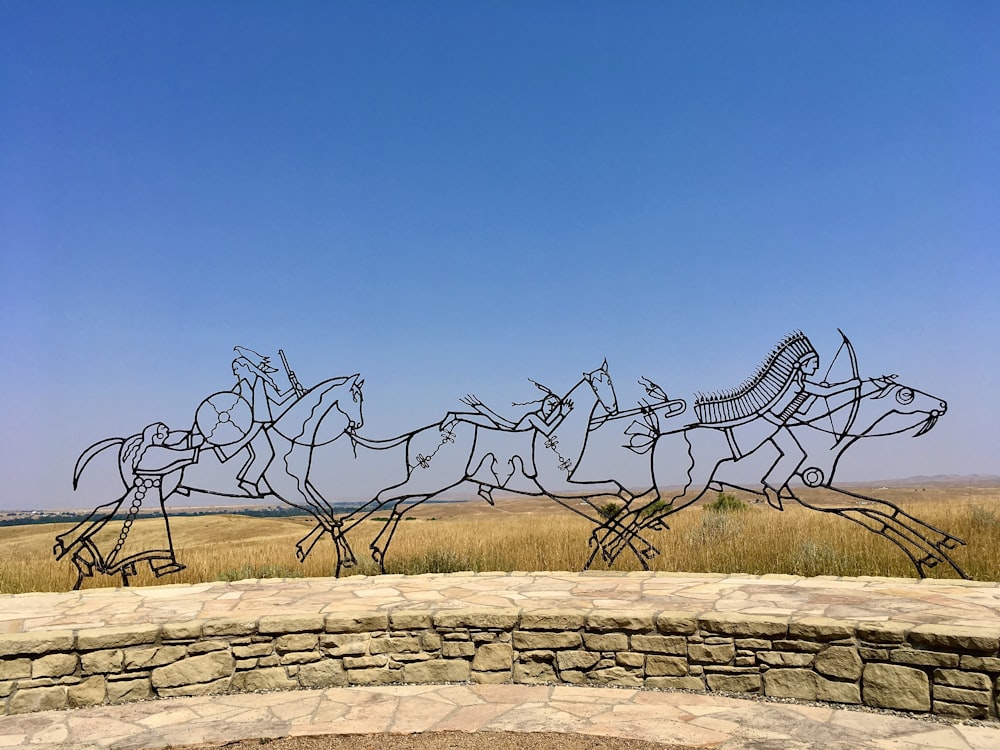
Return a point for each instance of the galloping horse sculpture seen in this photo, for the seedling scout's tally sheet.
(463, 447)
(158, 463)
(801, 423)
(698, 457)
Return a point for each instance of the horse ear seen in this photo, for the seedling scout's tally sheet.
(361, 383)
(605, 365)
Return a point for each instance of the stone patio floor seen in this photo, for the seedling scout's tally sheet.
(900, 600)
(683, 719)
(680, 719)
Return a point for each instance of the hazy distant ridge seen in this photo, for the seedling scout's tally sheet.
(935, 480)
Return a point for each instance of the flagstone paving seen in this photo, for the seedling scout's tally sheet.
(679, 719)
(900, 600)
(683, 720)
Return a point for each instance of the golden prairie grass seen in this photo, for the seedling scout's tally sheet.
(757, 540)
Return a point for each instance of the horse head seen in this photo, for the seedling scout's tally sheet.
(351, 407)
(893, 408)
(604, 389)
(885, 407)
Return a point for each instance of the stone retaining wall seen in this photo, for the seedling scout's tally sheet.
(944, 670)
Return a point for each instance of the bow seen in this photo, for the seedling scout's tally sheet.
(856, 398)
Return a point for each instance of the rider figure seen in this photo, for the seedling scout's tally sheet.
(544, 420)
(797, 401)
(762, 409)
(255, 384)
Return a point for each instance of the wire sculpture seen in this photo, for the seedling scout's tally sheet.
(783, 413)
(793, 420)
(256, 421)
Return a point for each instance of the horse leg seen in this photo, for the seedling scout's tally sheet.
(385, 496)
(318, 500)
(617, 532)
(906, 538)
(690, 457)
(298, 492)
(643, 553)
(79, 578)
(338, 528)
(390, 495)
(618, 535)
(380, 548)
(334, 527)
(305, 545)
(926, 546)
(944, 540)
(646, 551)
(326, 520)
(345, 555)
(564, 492)
(929, 543)
(342, 550)
(347, 522)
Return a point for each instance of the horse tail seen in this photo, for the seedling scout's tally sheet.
(89, 453)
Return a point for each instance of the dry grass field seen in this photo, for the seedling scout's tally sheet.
(535, 534)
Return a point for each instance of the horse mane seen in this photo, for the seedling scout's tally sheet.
(758, 392)
(300, 421)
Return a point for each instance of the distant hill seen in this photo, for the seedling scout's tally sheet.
(17, 517)
(936, 480)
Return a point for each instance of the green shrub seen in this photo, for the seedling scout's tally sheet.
(726, 503)
(610, 510)
(655, 507)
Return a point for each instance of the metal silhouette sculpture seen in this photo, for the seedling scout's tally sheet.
(150, 465)
(537, 454)
(782, 411)
(274, 432)
(265, 438)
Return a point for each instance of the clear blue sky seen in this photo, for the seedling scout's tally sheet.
(451, 197)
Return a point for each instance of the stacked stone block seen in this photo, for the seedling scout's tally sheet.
(944, 670)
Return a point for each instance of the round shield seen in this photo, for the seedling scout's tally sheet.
(224, 418)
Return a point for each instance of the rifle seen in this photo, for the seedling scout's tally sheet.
(299, 390)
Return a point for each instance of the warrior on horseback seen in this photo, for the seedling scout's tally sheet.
(255, 415)
(763, 407)
(256, 386)
(544, 420)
